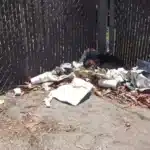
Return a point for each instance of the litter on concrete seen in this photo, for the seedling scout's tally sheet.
(46, 86)
(77, 65)
(49, 77)
(108, 83)
(139, 79)
(2, 101)
(65, 68)
(72, 93)
(18, 92)
(119, 74)
(71, 82)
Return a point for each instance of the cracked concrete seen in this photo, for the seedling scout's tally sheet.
(96, 124)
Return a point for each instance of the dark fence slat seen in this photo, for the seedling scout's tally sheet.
(102, 23)
(111, 25)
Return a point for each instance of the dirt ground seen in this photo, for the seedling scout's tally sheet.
(96, 124)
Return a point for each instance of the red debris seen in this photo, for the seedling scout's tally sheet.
(122, 95)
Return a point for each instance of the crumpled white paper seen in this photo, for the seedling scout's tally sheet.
(72, 93)
(77, 65)
(119, 74)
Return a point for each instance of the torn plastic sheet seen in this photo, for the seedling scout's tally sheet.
(72, 93)
(143, 65)
(140, 79)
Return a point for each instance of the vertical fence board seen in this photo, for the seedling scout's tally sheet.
(102, 23)
(111, 26)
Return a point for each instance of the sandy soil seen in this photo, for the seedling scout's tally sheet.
(96, 124)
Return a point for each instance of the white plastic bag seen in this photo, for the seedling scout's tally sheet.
(71, 93)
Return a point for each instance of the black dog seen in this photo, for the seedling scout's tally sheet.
(92, 58)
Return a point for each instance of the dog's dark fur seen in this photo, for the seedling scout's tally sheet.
(94, 58)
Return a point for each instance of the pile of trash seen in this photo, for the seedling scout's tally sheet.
(73, 82)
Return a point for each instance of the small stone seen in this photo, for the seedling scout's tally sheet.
(127, 124)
